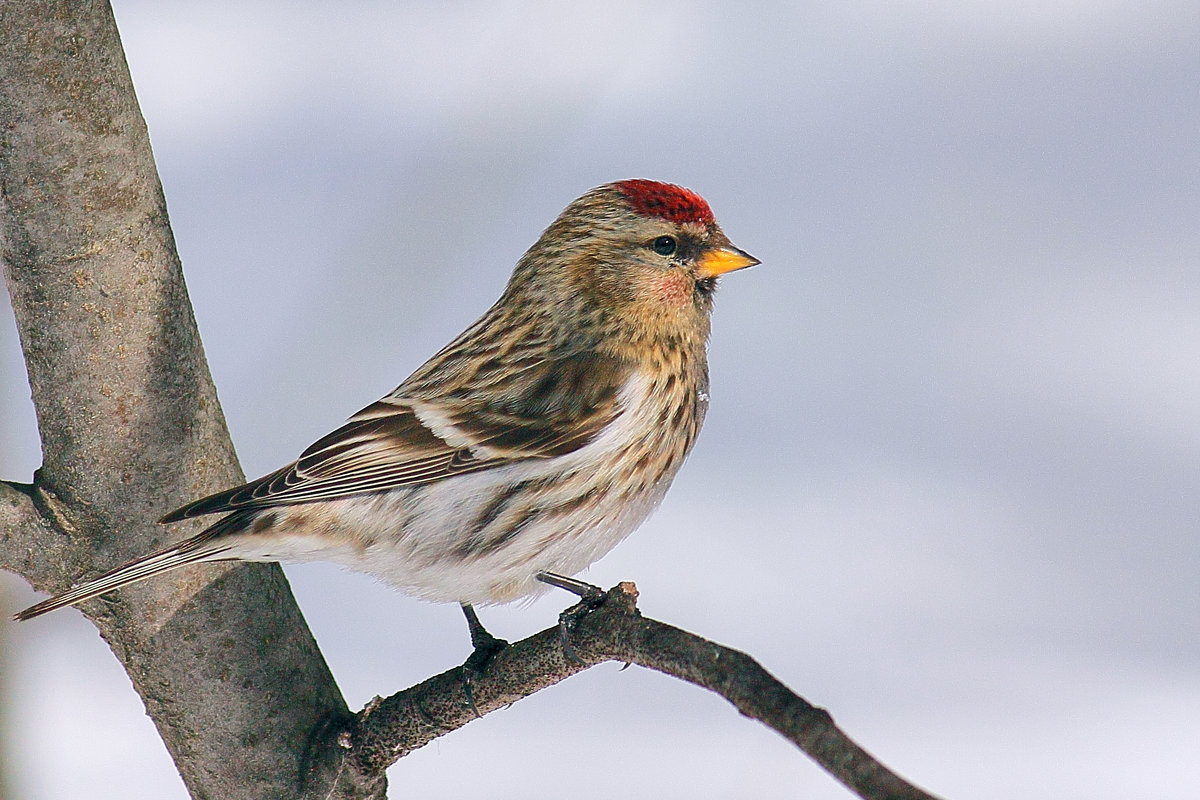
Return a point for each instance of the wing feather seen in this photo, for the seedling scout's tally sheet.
(553, 409)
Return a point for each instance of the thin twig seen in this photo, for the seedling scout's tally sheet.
(389, 729)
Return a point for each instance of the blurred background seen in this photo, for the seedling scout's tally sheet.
(948, 485)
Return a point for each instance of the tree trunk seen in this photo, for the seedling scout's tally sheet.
(129, 419)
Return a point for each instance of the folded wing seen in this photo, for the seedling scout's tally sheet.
(548, 409)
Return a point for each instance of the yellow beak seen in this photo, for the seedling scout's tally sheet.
(722, 260)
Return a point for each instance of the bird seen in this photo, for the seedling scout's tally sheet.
(526, 448)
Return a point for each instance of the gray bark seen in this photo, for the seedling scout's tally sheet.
(128, 415)
(131, 428)
(614, 630)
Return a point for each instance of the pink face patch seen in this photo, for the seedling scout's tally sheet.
(674, 288)
(674, 203)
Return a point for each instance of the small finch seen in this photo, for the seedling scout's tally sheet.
(528, 447)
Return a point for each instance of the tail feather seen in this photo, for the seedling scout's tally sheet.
(205, 546)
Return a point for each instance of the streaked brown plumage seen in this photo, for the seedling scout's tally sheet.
(535, 441)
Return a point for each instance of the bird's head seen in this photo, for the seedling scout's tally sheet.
(640, 254)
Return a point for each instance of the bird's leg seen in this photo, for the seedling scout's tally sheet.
(584, 589)
(487, 647)
(590, 598)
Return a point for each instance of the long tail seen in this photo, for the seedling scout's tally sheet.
(208, 545)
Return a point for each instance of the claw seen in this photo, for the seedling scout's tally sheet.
(590, 598)
(487, 647)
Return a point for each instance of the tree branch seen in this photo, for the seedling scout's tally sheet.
(387, 730)
(22, 529)
(128, 416)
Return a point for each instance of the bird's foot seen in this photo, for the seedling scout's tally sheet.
(486, 648)
(591, 597)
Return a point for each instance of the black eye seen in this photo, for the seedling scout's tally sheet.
(664, 245)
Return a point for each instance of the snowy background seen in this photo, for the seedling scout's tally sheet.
(952, 464)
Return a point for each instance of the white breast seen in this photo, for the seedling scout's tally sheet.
(427, 540)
